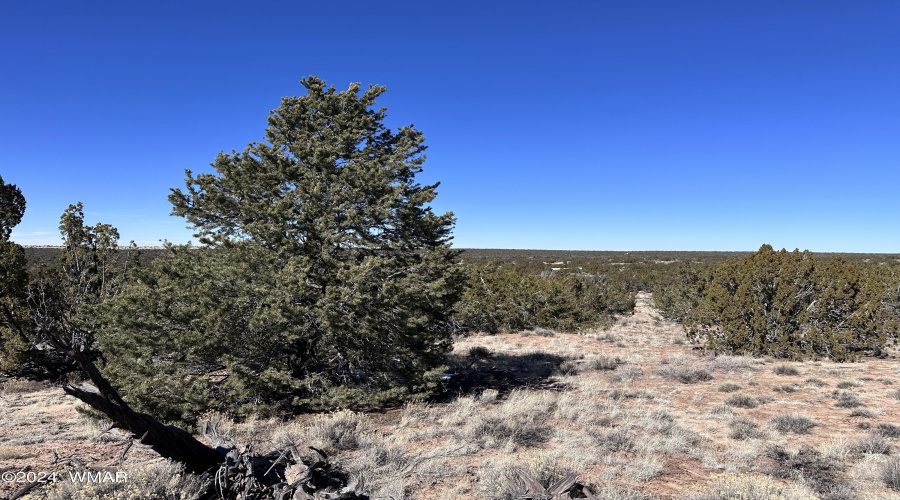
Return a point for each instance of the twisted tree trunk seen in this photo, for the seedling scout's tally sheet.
(167, 440)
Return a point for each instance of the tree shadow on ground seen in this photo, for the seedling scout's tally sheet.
(480, 369)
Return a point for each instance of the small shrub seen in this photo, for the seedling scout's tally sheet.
(620, 439)
(729, 387)
(815, 381)
(604, 363)
(890, 473)
(628, 374)
(894, 394)
(791, 423)
(862, 412)
(743, 428)
(742, 401)
(888, 430)
(685, 374)
(786, 388)
(848, 384)
(806, 464)
(786, 370)
(848, 400)
(339, 431)
(871, 444)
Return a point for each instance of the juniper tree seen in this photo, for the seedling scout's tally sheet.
(324, 277)
(790, 304)
(52, 317)
(15, 347)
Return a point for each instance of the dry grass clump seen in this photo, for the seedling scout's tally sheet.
(890, 473)
(602, 362)
(848, 384)
(159, 480)
(786, 370)
(627, 375)
(815, 381)
(729, 387)
(745, 401)
(18, 386)
(685, 374)
(731, 486)
(862, 412)
(847, 400)
(585, 411)
(871, 444)
(789, 423)
(520, 420)
(888, 430)
(339, 431)
(731, 363)
(743, 428)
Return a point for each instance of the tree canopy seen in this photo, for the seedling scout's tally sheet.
(324, 278)
(789, 304)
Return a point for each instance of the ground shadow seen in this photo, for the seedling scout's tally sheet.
(480, 369)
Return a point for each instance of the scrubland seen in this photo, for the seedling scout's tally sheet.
(632, 411)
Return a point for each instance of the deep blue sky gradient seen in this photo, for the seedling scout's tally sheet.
(607, 125)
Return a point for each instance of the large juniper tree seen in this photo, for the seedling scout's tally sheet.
(323, 277)
(792, 305)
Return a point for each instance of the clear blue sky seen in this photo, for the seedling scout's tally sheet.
(603, 125)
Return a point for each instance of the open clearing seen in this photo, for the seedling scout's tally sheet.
(634, 411)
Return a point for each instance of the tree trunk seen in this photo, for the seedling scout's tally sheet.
(167, 440)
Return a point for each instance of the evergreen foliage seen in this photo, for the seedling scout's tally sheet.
(678, 292)
(791, 305)
(15, 348)
(324, 278)
(500, 298)
(53, 312)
